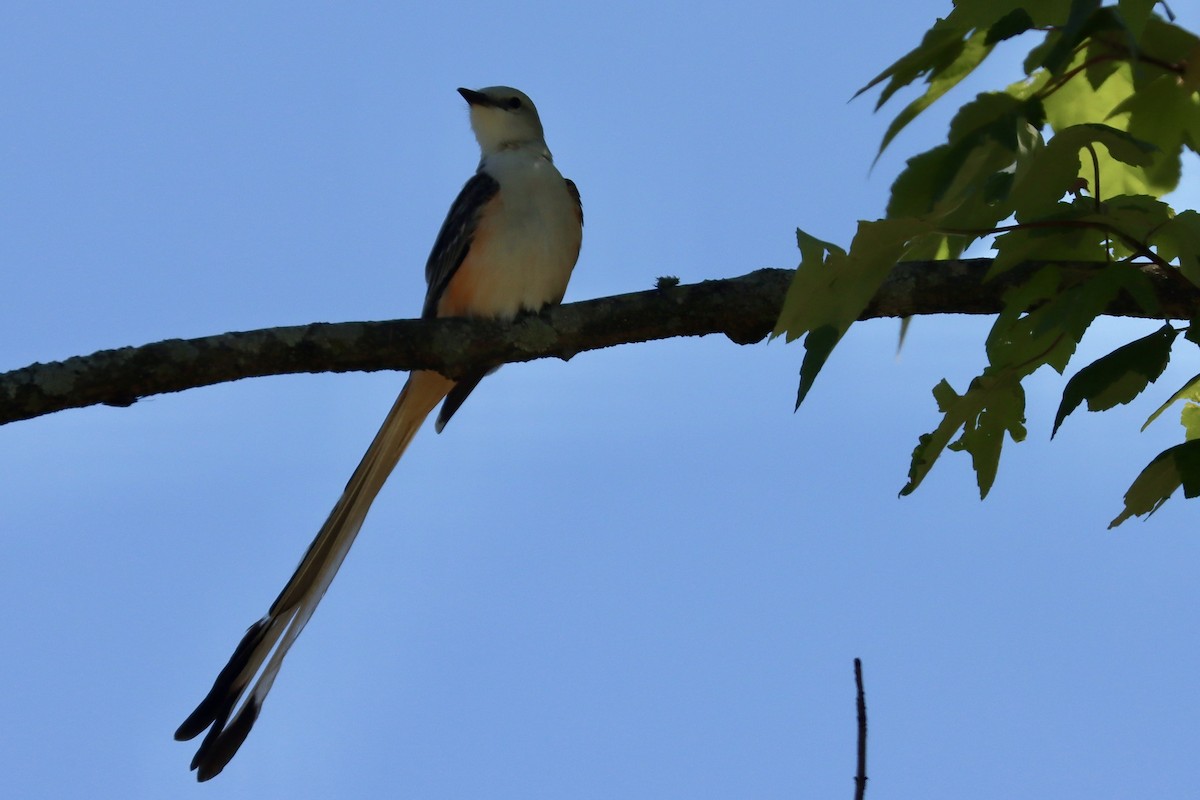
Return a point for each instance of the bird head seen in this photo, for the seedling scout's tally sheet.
(504, 118)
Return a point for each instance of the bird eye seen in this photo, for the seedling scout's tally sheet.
(514, 103)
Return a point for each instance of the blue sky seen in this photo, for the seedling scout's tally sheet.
(636, 574)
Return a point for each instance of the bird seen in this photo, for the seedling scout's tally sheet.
(508, 245)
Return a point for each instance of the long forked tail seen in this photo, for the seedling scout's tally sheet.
(274, 634)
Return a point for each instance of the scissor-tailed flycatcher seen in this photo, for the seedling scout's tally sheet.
(508, 245)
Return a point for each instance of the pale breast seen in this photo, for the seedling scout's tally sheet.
(525, 246)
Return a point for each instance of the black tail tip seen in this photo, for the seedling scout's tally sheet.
(221, 745)
(216, 706)
(194, 725)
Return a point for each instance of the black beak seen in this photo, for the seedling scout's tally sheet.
(476, 98)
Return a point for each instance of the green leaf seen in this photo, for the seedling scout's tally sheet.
(986, 13)
(968, 203)
(1118, 377)
(1005, 413)
(1044, 318)
(962, 184)
(935, 247)
(817, 347)
(1120, 91)
(1021, 341)
(993, 115)
(1052, 170)
(970, 55)
(1191, 81)
(948, 182)
(813, 268)
(1069, 35)
(905, 322)
(1134, 221)
(1187, 462)
(1179, 238)
(813, 250)
(940, 45)
(1040, 287)
(832, 288)
(997, 187)
(1192, 333)
(1174, 467)
(1189, 417)
(1121, 145)
(1086, 293)
(1140, 287)
(930, 445)
(1076, 102)
(923, 181)
(1099, 65)
(1014, 23)
(1167, 42)
(1135, 14)
(1164, 113)
(1045, 244)
(993, 405)
(1044, 174)
(1033, 60)
(1138, 217)
(1190, 391)
(835, 291)
(1087, 18)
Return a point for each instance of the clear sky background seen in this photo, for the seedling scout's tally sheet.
(636, 574)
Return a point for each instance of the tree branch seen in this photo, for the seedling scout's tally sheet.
(744, 309)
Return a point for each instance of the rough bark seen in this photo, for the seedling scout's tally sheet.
(743, 309)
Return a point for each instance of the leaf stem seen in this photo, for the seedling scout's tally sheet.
(1137, 54)
(1056, 84)
(1141, 248)
(1096, 172)
(1096, 196)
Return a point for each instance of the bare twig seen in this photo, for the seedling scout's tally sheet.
(860, 776)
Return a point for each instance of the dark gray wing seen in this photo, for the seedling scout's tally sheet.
(454, 239)
(574, 190)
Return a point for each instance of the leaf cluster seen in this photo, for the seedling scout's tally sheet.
(1065, 169)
